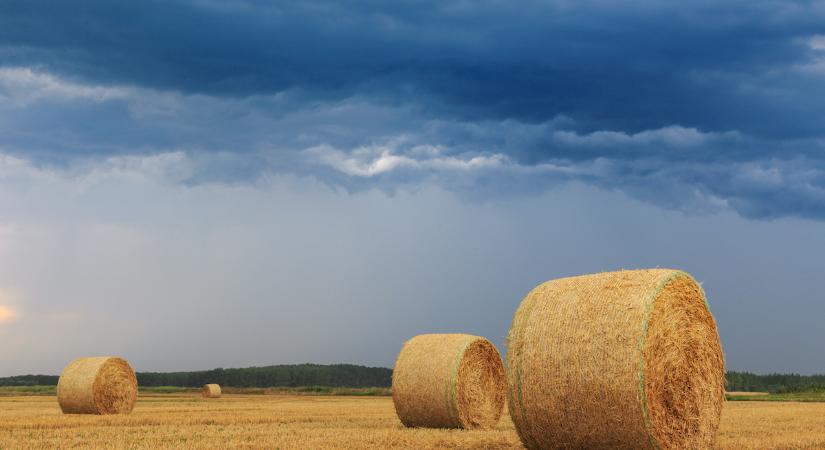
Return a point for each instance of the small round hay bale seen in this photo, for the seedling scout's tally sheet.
(448, 381)
(211, 391)
(99, 385)
(628, 360)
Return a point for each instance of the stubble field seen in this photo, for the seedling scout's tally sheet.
(326, 422)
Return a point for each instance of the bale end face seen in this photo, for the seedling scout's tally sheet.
(448, 381)
(684, 368)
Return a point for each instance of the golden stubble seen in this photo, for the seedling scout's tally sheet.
(288, 421)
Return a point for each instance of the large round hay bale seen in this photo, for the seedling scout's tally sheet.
(99, 385)
(625, 360)
(211, 391)
(448, 381)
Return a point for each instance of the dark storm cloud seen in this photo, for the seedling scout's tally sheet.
(628, 66)
(665, 101)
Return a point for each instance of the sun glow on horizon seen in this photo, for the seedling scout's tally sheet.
(7, 314)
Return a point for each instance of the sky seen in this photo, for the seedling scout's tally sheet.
(200, 184)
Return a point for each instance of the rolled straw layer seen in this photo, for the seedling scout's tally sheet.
(99, 385)
(624, 360)
(448, 381)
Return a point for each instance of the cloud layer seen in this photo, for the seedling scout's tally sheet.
(694, 107)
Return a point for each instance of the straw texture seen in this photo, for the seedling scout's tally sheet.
(620, 360)
(448, 381)
(99, 385)
(211, 391)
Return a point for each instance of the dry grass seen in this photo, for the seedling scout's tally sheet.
(274, 421)
(758, 425)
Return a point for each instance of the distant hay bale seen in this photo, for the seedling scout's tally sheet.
(211, 391)
(448, 381)
(99, 385)
(626, 359)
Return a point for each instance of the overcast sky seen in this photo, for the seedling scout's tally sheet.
(202, 184)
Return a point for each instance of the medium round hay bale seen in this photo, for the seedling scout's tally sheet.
(211, 391)
(100, 385)
(448, 381)
(627, 360)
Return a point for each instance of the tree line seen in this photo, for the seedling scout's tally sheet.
(350, 375)
(775, 382)
(294, 375)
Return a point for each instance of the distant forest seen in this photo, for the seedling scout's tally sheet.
(298, 375)
(775, 382)
(349, 375)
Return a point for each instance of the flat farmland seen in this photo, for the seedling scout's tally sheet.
(326, 422)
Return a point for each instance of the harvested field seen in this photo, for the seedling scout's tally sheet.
(288, 421)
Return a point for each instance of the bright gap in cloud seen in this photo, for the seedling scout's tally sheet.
(368, 162)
